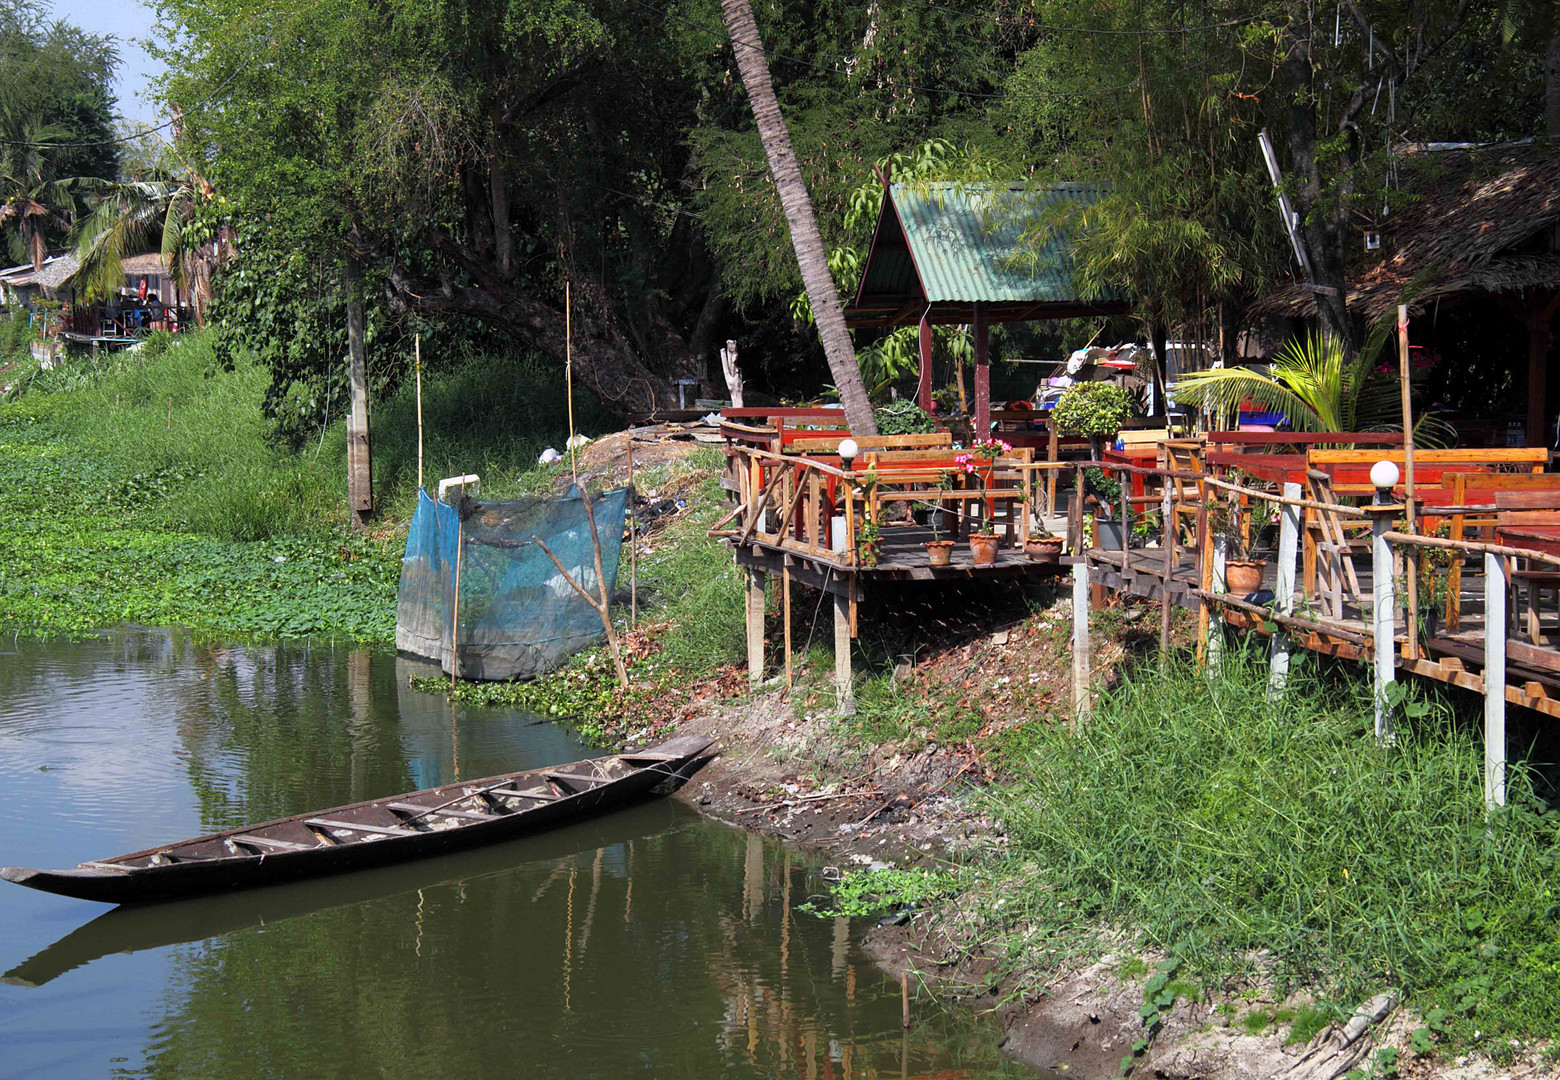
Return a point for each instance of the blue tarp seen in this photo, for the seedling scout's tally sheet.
(518, 616)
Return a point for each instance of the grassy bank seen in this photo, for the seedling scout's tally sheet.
(145, 487)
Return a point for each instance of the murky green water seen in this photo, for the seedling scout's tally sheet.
(649, 943)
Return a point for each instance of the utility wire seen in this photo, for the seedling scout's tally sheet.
(139, 134)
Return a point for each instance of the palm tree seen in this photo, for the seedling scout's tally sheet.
(1318, 388)
(34, 200)
(127, 216)
(811, 257)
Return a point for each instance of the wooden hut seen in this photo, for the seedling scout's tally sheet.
(1468, 225)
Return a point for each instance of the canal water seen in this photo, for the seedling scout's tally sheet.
(652, 942)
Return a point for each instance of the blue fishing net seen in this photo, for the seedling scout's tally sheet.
(518, 616)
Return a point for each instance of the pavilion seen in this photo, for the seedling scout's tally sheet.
(946, 253)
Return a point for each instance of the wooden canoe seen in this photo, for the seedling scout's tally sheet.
(378, 832)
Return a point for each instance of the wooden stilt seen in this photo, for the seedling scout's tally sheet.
(1495, 581)
(1284, 591)
(460, 550)
(1082, 705)
(1166, 541)
(785, 604)
(1215, 613)
(844, 694)
(1205, 578)
(755, 626)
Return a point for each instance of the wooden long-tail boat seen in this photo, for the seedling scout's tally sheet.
(377, 832)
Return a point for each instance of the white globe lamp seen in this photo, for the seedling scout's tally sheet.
(849, 450)
(1384, 474)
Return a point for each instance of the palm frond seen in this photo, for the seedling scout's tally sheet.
(1228, 388)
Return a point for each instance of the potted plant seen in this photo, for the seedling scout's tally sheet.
(1435, 566)
(1104, 491)
(1043, 546)
(868, 538)
(1242, 574)
(938, 550)
(983, 548)
(1095, 409)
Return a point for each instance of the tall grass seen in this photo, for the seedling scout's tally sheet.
(1221, 826)
(216, 468)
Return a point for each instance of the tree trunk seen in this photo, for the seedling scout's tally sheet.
(1552, 86)
(805, 237)
(1319, 227)
(360, 482)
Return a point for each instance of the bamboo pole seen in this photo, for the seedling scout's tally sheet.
(460, 550)
(417, 346)
(633, 545)
(568, 376)
(1411, 555)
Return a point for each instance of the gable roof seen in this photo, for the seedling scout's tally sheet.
(941, 248)
(1478, 219)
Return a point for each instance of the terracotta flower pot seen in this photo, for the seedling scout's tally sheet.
(1242, 577)
(983, 548)
(1043, 550)
(938, 552)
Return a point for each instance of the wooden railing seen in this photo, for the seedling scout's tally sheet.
(1319, 598)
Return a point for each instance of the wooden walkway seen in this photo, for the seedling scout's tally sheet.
(1456, 658)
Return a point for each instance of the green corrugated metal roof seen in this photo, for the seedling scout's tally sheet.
(964, 239)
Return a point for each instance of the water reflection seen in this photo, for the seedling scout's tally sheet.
(648, 942)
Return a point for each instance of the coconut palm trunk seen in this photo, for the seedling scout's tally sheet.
(805, 237)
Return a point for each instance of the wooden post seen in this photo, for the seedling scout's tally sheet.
(923, 388)
(1411, 553)
(785, 604)
(360, 476)
(568, 377)
(1082, 705)
(1221, 544)
(982, 375)
(1167, 542)
(1384, 620)
(633, 544)
(904, 997)
(417, 346)
(1204, 577)
(1284, 591)
(844, 695)
(755, 626)
(1494, 681)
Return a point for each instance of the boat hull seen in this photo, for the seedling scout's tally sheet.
(150, 884)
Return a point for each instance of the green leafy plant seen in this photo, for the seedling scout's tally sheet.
(1095, 409)
(868, 536)
(904, 417)
(868, 893)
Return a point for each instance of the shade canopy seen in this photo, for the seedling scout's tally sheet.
(941, 249)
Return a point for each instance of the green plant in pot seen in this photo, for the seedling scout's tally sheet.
(1102, 493)
(1435, 566)
(1043, 546)
(938, 551)
(1094, 409)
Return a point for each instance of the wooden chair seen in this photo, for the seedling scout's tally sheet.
(1530, 519)
(1478, 489)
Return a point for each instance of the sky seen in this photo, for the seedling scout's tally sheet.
(127, 20)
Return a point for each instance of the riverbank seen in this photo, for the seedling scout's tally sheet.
(1289, 868)
(1283, 868)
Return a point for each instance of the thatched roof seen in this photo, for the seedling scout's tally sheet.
(1481, 219)
(150, 263)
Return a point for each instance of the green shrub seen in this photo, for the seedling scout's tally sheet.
(1091, 408)
(903, 417)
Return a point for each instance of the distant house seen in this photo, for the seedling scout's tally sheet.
(148, 299)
